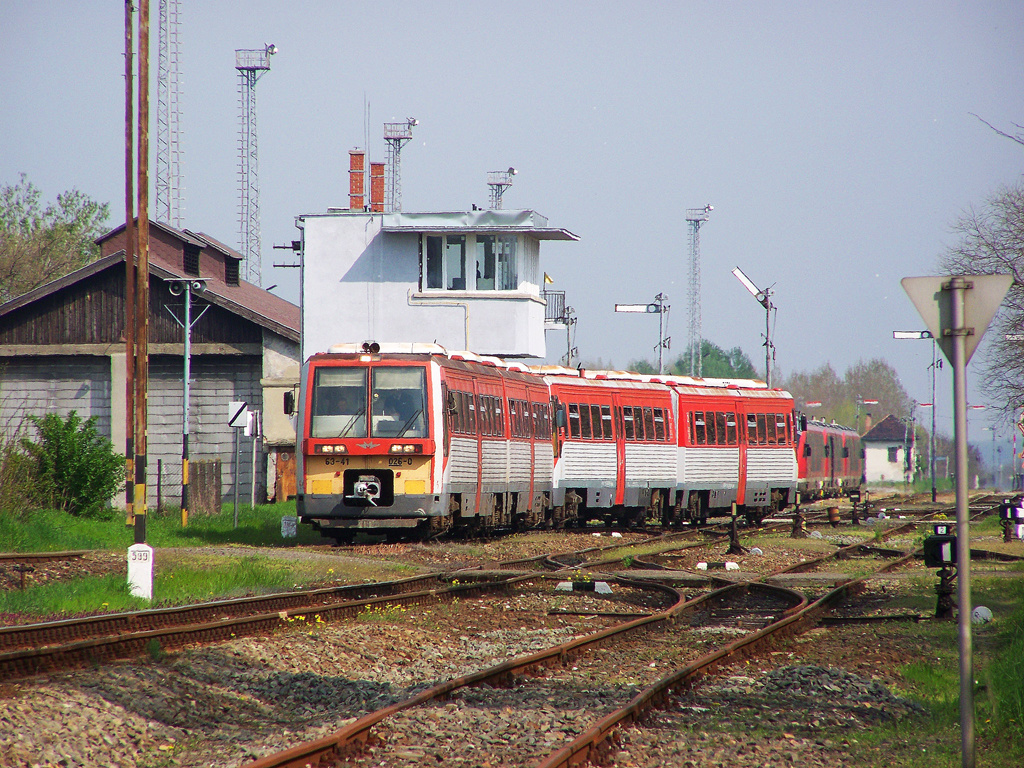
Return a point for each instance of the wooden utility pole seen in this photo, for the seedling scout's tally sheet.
(140, 507)
(129, 263)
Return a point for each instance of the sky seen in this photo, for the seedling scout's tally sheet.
(836, 141)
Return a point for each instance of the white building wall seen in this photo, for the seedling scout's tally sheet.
(878, 468)
(360, 284)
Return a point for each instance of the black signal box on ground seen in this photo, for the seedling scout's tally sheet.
(940, 551)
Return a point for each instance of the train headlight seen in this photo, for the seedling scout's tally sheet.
(405, 448)
(331, 449)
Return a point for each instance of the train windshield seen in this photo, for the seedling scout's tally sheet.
(339, 403)
(398, 406)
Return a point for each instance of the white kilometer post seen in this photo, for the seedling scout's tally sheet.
(140, 571)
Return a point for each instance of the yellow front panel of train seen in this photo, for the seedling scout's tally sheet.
(325, 474)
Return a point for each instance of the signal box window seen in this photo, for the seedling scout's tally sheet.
(894, 455)
(338, 406)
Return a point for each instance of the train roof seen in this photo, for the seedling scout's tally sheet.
(562, 374)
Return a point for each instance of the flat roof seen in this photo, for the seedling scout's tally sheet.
(467, 222)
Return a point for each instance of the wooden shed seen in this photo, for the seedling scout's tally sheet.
(62, 348)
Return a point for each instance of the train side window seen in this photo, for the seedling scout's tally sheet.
(659, 424)
(700, 427)
(485, 414)
(574, 420)
(721, 437)
(846, 451)
(709, 418)
(499, 417)
(780, 428)
(648, 424)
(585, 429)
(770, 424)
(627, 423)
(807, 449)
(730, 429)
(762, 430)
(828, 452)
(606, 422)
(751, 429)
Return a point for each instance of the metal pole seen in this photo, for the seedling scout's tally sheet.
(140, 505)
(236, 476)
(255, 435)
(768, 342)
(931, 446)
(661, 335)
(963, 544)
(129, 264)
(184, 405)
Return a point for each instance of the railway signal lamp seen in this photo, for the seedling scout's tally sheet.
(943, 529)
(1011, 512)
(940, 551)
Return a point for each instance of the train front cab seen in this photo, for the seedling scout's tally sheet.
(367, 450)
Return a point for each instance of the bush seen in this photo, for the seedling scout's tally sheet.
(18, 490)
(76, 467)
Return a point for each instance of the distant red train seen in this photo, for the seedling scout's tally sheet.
(411, 441)
(830, 460)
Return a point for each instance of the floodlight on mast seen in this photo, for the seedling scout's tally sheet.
(765, 300)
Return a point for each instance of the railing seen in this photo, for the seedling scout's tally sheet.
(555, 310)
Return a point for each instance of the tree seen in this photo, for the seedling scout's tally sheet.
(40, 244)
(716, 363)
(992, 242)
(871, 380)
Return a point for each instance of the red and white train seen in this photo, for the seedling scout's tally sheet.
(830, 460)
(410, 440)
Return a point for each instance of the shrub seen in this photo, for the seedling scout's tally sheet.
(18, 490)
(76, 467)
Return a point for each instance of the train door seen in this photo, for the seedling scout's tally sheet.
(620, 449)
(830, 452)
(748, 436)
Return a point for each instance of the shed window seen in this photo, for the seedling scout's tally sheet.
(190, 262)
(231, 271)
(894, 455)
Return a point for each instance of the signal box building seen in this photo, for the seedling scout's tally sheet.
(62, 348)
(464, 280)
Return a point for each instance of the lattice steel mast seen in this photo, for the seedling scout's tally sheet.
(251, 65)
(397, 135)
(170, 180)
(499, 181)
(695, 217)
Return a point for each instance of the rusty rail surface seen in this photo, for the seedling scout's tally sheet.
(35, 660)
(354, 736)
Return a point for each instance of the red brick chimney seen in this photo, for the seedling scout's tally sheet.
(356, 166)
(377, 187)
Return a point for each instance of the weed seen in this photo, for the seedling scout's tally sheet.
(389, 612)
(155, 650)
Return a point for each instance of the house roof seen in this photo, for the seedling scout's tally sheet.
(245, 299)
(888, 430)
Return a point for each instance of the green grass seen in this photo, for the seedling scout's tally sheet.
(52, 530)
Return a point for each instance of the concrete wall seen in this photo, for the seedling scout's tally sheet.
(360, 283)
